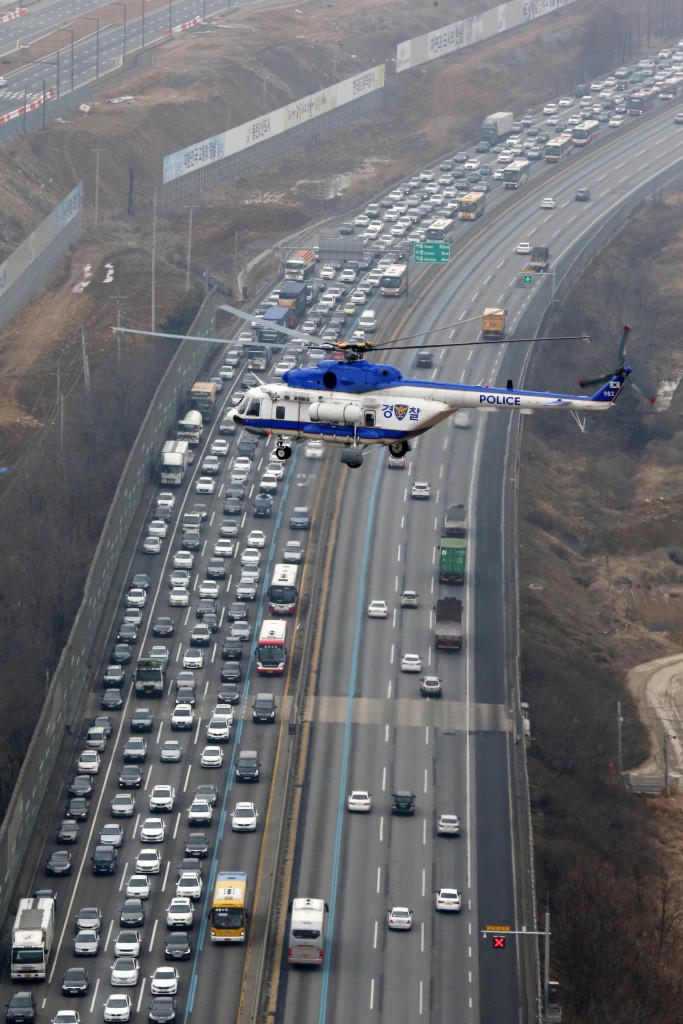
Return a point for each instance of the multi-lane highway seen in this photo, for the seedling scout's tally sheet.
(368, 727)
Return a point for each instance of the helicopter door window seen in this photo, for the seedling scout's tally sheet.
(279, 412)
(369, 419)
(254, 407)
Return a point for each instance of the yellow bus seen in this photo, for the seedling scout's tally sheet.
(229, 908)
(472, 205)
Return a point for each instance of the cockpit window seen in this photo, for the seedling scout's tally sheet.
(254, 407)
(242, 407)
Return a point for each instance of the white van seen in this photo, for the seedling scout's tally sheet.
(96, 738)
(368, 321)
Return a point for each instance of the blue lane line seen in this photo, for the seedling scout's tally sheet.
(208, 891)
(343, 780)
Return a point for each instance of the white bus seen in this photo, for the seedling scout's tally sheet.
(516, 174)
(394, 280)
(440, 230)
(271, 650)
(307, 932)
(283, 592)
(585, 132)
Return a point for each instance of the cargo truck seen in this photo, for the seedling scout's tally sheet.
(493, 322)
(539, 260)
(496, 127)
(149, 677)
(174, 461)
(455, 521)
(202, 397)
(294, 295)
(448, 631)
(300, 265)
(277, 316)
(32, 936)
(452, 559)
(191, 427)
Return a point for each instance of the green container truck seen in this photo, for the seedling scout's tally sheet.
(452, 560)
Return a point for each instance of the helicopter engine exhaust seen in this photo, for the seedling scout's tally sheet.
(335, 412)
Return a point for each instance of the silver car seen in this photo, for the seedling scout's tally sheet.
(87, 942)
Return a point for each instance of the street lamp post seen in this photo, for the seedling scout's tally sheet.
(71, 33)
(97, 43)
(118, 3)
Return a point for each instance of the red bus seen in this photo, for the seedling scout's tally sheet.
(557, 149)
(639, 102)
(585, 132)
(271, 650)
(283, 593)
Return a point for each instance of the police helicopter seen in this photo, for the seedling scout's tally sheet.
(358, 405)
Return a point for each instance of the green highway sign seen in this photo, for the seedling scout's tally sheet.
(432, 252)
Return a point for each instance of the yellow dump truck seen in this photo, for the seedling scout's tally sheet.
(493, 323)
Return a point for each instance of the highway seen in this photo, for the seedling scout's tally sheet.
(369, 728)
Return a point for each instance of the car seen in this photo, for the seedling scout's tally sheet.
(128, 943)
(111, 834)
(396, 462)
(292, 553)
(138, 885)
(403, 802)
(164, 981)
(135, 750)
(178, 597)
(104, 860)
(87, 942)
(158, 528)
(300, 518)
(162, 798)
(183, 560)
(104, 722)
(113, 676)
(118, 1007)
(411, 663)
(121, 654)
(130, 777)
(21, 1008)
(132, 912)
(409, 599)
(582, 195)
(617, 120)
(162, 1010)
(137, 596)
(125, 971)
(448, 899)
(90, 918)
(81, 785)
(153, 830)
(151, 545)
(180, 913)
(430, 686)
(200, 635)
(200, 812)
(377, 610)
(122, 806)
(190, 884)
(58, 863)
(163, 626)
(191, 540)
(421, 491)
(205, 485)
(182, 717)
(66, 1017)
(170, 751)
(246, 590)
(75, 982)
(205, 606)
(548, 203)
(197, 843)
(148, 861)
(215, 568)
(141, 720)
(523, 249)
(165, 499)
(186, 693)
(77, 807)
(127, 632)
(88, 762)
(236, 612)
(192, 658)
(244, 817)
(678, 117)
(400, 919)
(448, 825)
(178, 946)
(359, 800)
(67, 831)
(231, 673)
(240, 630)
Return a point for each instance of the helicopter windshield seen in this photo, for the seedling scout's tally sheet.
(242, 407)
(254, 406)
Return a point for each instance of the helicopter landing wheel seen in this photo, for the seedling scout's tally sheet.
(399, 448)
(352, 458)
(284, 453)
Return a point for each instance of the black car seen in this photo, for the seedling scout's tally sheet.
(58, 863)
(130, 777)
(75, 982)
(231, 649)
(200, 508)
(235, 491)
(582, 195)
(215, 570)
(262, 506)
(164, 513)
(128, 633)
(80, 785)
(228, 693)
(21, 1008)
(346, 229)
(104, 860)
(197, 845)
(210, 619)
(403, 802)
(192, 540)
(482, 147)
(112, 700)
(141, 720)
(103, 722)
(189, 864)
(236, 612)
(247, 445)
(162, 1010)
(178, 946)
(232, 507)
(140, 579)
(185, 694)
(207, 791)
(206, 605)
(135, 750)
(163, 626)
(231, 672)
(67, 831)
(132, 913)
(78, 808)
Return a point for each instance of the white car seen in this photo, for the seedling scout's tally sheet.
(118, 1007)
(111, 834)
(224, 548)
(462, 419)
(171, 751)
(314, 450)
(157, 528)
(178, 598)
(166, 499)
(566, 101)
(208, 588)
(377, 610)
(128, 943)
(292, 553)
(183, 714)
(256, 539)
(164, 981)
(269, 482)
(218, 729)
(125, 971)
(183, 560)
(548, 203)
(448, 825)
(448, 899)
(88, 762)
(153, 830)
(87, 942)
(200, 812)
(550, 108)
(421, 491)
(148, 861)
(162, 798)
(523, 249)
(212, 757)
(190, 885)
(251, 557)
(616, 121)
(327, 272)
(180, 913)
(151, 545)
(244, 817)
(193, 658)
(66, 1017)
(400, 919)
(205, 485)
(138, 885)
(220, 446)
(359, 800)
(136, 597)
(411, 663)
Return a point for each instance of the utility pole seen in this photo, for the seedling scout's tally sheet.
(97, 185)
(154, 259)
(620, 770)
(189, 253)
